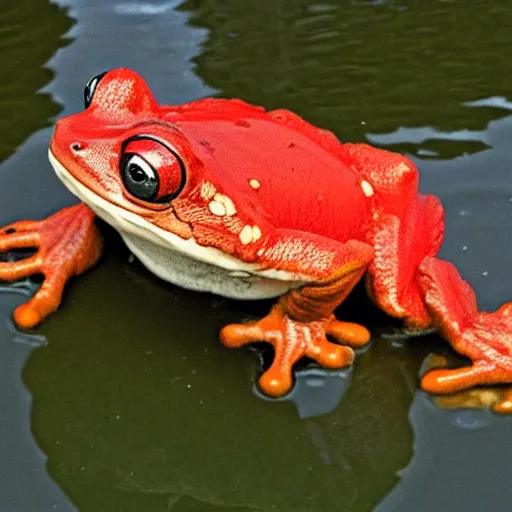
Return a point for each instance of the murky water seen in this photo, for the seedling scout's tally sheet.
(125, 400)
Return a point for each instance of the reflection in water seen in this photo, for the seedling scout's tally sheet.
(22, 465)
(316, 391)
(144, 8)
(25, 45)
(425, 138)
(144, 419)
(461, 462)
(421, 141)
(360, 66)
(494, 102)
(496, 398)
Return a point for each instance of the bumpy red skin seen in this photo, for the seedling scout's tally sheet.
(327, 213)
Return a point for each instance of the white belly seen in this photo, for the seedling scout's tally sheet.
(180, 269)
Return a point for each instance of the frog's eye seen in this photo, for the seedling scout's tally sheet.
(91, 87)
(151, 171)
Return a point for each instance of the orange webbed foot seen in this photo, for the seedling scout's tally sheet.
(454, 388)
(292, 340)
(485, 338)
(446, 381)
(487, 341)
(67, 243)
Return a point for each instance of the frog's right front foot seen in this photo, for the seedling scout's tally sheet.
(292, 340)
(68, 243)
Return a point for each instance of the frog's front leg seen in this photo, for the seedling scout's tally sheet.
(67, 243)
(298, 325)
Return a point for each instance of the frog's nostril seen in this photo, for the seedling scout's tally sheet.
(77, 146)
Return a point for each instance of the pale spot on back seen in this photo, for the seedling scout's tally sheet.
(246, 235)
(226, 202)
(250, 234)
(255, 184)
(367, 188)
(256, 233)
(217, 208)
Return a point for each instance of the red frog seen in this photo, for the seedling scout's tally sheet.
(222, 196)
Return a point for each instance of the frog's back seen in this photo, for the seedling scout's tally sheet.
(286, 167)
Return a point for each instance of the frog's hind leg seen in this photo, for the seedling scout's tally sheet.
(407, 228)
(401, 244)
(485, 338)
(407, 281)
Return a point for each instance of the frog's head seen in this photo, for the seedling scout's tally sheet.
(121, 154)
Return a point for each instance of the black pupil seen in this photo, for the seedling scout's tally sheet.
(139, 178)
(136, 173)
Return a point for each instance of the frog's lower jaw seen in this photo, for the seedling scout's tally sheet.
(181, 262)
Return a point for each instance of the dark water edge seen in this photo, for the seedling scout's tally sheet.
(133, 400)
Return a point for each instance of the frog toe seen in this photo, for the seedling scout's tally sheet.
(504, 404)
(446, 381)
(46, 300)
(14, 270)
(351, 334)
(330, 355)
(238, 335)
(276, 381)
(18, 227)
(26, 317)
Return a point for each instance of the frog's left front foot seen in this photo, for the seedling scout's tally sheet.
(67, 242)
(292, 340)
